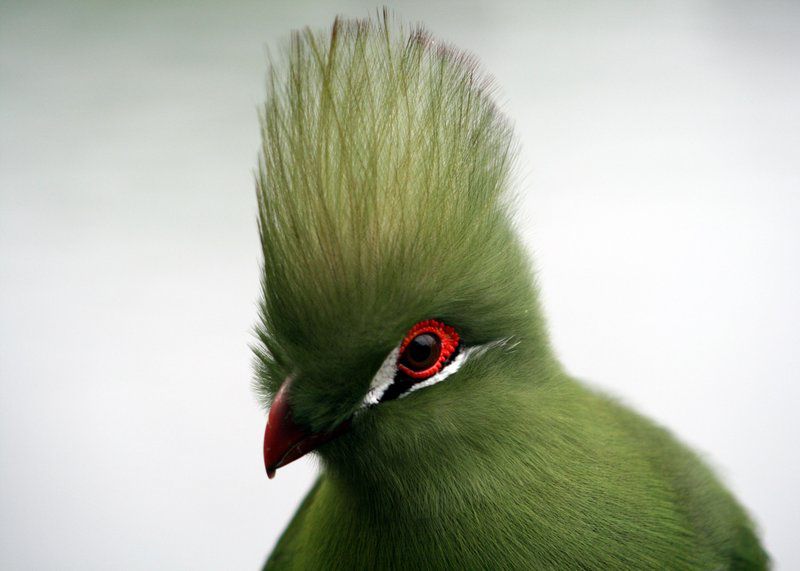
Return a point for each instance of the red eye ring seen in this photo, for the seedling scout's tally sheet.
(448, 343)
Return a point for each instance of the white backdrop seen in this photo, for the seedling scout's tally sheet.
(660, 175)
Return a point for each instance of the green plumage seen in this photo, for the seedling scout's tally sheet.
(382, 203)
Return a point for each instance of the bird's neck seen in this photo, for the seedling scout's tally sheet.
(455, 459)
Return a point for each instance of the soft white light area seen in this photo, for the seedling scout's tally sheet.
(661, 183)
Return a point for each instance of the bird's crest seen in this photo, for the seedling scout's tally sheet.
(380, 187)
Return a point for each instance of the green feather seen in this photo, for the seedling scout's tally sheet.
(382, 192)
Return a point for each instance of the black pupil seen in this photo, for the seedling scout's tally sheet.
(423, 351)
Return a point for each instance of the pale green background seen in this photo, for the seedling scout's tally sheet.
(661, 183)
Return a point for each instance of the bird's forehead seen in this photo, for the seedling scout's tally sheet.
(340, 298)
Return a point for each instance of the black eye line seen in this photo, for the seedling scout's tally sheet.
(402, 383)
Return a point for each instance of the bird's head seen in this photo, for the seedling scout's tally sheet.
(397, 299)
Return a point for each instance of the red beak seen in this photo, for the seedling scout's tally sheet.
(284, 440)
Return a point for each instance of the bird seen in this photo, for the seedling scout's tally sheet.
(401, 339)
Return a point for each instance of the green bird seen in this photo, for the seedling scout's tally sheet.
(401, 338)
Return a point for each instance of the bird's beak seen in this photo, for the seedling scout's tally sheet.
(284, 440)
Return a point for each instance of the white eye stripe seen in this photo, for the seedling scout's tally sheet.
(446, 371)
(385, 376)
(382, 379)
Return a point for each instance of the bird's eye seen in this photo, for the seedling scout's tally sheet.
(428, 354)
(426, 349)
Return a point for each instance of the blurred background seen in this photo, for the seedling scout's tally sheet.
(660, 182)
